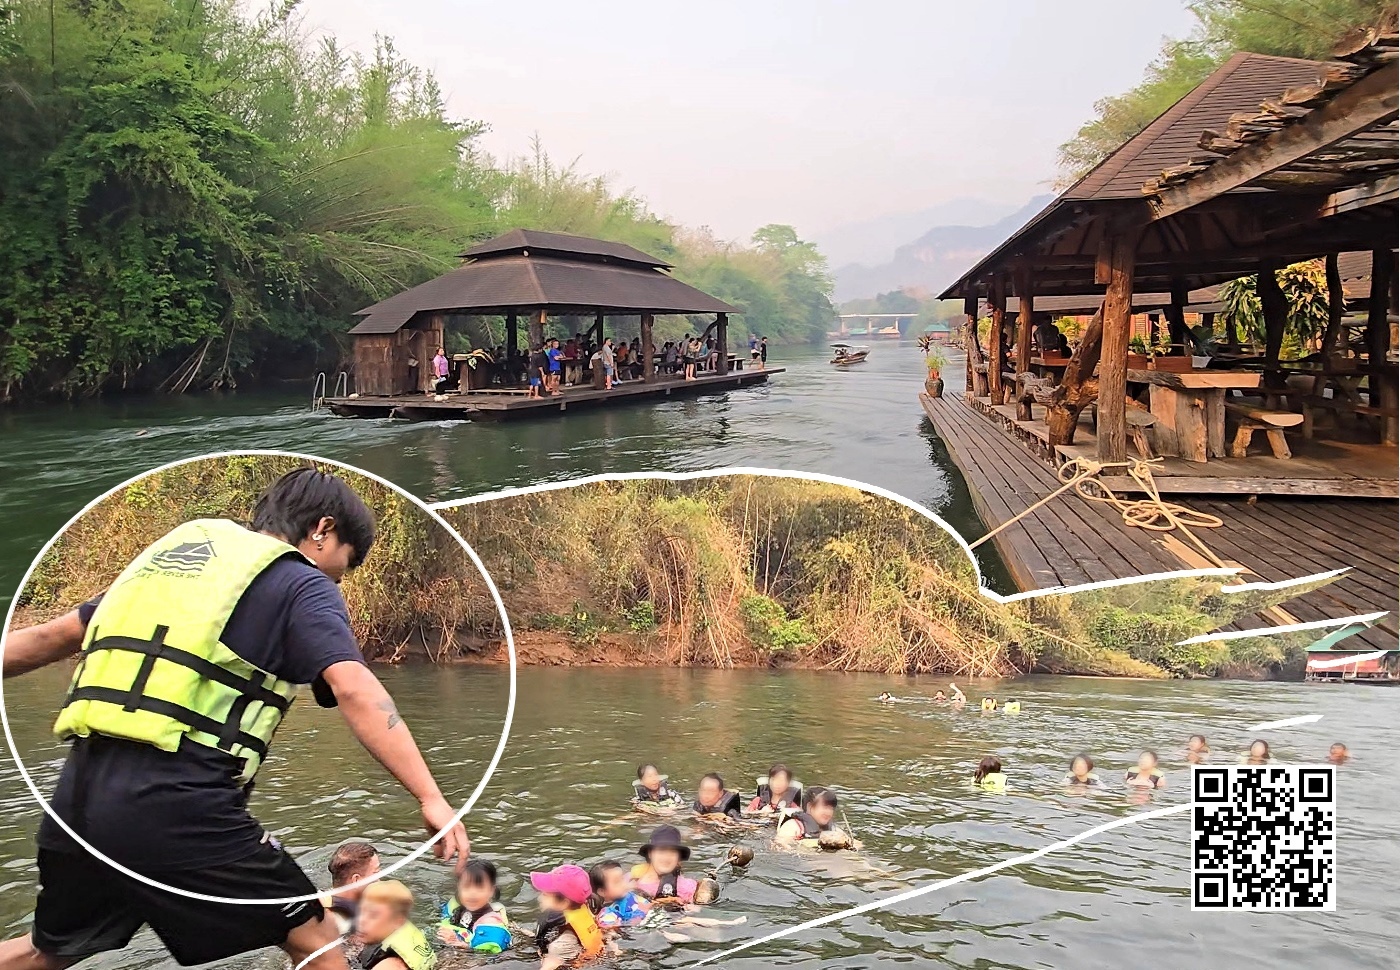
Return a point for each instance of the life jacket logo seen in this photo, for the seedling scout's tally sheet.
(187, 557)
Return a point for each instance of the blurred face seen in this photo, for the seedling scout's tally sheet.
(1196, 744)
(552, 903)
(779, 782)
(1338, 752)
(475, 896)
(651, 779)
(1079, 768)
(709, 791)
(330, 555)
(822, 812)
(1146, 762)
(376, 922)
(1259, 750)
(665, 859)
(616, 884)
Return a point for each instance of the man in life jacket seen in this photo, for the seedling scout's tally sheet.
(391, 940)
(567, 932)
(712, 798)
(818, 815)
(189, 661)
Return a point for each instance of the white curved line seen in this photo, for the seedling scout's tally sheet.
(1268, 631)
(286, 900)
(1346, 661)
(952, 881)
(1283, 583)
(315, 953)
(1287, 722)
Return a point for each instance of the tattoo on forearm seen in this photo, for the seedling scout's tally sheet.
(387, 706)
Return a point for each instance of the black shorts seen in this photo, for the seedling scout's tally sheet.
(86, 907)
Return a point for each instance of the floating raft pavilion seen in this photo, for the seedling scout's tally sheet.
(532, 276)
(1268, 162)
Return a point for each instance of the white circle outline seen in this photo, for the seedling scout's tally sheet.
(286, 900)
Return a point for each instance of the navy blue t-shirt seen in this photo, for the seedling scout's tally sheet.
(150, 809)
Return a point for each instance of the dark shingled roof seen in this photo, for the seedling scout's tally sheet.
(525, 269)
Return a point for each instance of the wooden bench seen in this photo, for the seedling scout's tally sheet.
(1137, 420)
(1271, 423)
(1008, 386)
(1313, 404)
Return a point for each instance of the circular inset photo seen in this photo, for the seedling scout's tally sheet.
(231, 681)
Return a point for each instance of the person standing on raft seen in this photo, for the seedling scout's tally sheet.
(189, 662)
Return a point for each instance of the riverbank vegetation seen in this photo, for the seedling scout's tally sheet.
(758, 571)
(417, 594)
(1286, 28)
(192, 195)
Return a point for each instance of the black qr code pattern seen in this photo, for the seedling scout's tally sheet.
(1264, 837)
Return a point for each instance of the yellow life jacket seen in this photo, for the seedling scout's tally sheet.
(994, 782)
(1011, 707)
(585, 927)
(410, 945)
(153, 668)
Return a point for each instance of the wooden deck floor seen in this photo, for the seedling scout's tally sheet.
(1070, 541)
(497, 405)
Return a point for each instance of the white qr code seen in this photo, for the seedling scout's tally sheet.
(1264, 837)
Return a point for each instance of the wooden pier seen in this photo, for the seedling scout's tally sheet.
(510, 404)
(1070, 541)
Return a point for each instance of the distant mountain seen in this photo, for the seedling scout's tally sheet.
(933, 260)
(873, 241)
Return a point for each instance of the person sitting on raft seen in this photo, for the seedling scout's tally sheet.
(391, 940)
(351, 862)
(615, 901)
(567, 931)
(651, 788)
(712, 798)
(777, 792)
(1081, 772)
(818, 817)
(1196, 749)
(1146, 774)
(473, 918)
(660, 878)
(1258, 753)
(988, 775)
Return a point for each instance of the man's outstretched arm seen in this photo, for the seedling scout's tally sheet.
(38, 646)
(375, 722)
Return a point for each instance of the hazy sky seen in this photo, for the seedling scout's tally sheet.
(816, 113)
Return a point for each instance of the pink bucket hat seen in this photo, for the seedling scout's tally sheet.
(571, 882)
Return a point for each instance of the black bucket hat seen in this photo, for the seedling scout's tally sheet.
(665, 837)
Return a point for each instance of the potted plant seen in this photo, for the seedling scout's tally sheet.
(935, 361)
(1137, 354)
(1204, 339)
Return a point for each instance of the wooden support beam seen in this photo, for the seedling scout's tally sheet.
(1176, 317)
(1275, 308)
(646, 351)
(1113, 364)
(972, 356)
(1336, 309)
(536, 329)
(996, 352)
(1026, 293)
(1383, 378)
(722, 343)
(1370, 101)
(1360, 196)
(512, 336)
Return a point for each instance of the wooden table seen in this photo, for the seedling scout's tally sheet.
(571, 370)
(1049, 366)
(1190, 409)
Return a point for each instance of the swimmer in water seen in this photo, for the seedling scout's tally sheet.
(1081, 772)
(473, 919)
(1258, 753)
(1146, 774)
(1011, 707)
(886, 697)
(651, 787)
(940, 698)
(1197, 751)
(1338, 754)
(988, 775)
(989, 704)
(957, 696)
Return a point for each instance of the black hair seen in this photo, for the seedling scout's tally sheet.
(714, 776)
(1087, 760)
(987, 766)
(818, 796)
(347, 859)
(597, 876)
(1151, 752)
(294, 505)
(479, 872)
(642, 769)
(777, 768)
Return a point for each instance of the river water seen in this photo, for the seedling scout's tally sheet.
(863, 423)
(560, 795)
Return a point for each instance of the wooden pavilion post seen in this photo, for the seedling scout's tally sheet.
(648, 363)
(512, 336)
(1382, 377)
(1176, 317)
(995, 352)
(1336, 309)
(537, 321)
(1116, 265)
(1024, 317)
(1275, 307)
(722, 343)
(1078, 388)
(597, 329)
(972, 344)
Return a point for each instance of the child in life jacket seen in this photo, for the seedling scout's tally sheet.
(567, 933)
(616, 903)
(651, 788)
(988, 775)
(660, 878)
(473, 919)
(391, 940)
(777, 792)
(1146, 774)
